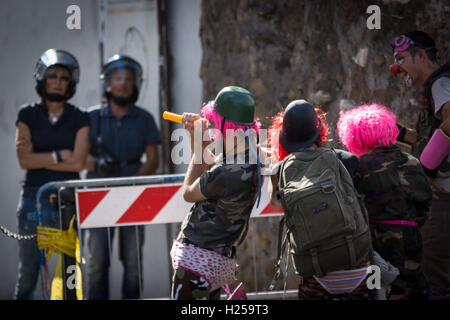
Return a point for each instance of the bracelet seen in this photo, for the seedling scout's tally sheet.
(58, 156)
(55, 157)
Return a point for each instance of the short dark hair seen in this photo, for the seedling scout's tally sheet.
(423, 41)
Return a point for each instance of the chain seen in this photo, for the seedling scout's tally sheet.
(16, 235)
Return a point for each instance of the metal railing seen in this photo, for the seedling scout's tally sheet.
(59, 186)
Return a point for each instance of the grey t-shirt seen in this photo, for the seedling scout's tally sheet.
(441, 95)
(219, 221)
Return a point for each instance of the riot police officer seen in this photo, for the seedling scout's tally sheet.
(122, 132)
(52, 143)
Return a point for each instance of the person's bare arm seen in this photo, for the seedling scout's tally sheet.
(191, 185)
(445, 114)
(410, 136)
(272, 192)
(90, 163)
(445, 126)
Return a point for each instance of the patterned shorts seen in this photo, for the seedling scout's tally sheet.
(211, 269)
(310, 289)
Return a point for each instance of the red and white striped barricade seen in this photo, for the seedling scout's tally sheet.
(144, 204)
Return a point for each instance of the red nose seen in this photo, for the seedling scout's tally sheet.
(394, 69)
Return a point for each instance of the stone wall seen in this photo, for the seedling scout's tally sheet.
(319, 50)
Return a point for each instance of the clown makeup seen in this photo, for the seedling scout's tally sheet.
(398, 59)
(408, 80)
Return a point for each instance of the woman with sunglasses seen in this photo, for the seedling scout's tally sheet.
(52, 142)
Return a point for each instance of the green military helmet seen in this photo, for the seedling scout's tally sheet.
(235, 104)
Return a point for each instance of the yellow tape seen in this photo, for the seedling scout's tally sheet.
(61, 242)
(57, 292)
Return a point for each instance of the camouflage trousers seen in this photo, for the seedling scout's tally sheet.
(402, 247)
(436, 247)
(189, 286)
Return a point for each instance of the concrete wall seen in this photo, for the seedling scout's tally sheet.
(28, 28)
(186, 51)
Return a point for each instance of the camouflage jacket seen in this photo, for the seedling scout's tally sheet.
(394, 185)
(220, 221)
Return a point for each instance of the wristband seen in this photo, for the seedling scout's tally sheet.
(58, 156)
(55, 157)
(436, 150)
(430, 173)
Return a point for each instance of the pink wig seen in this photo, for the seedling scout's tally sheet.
(210, 114)
(367, 127)
(275, 128)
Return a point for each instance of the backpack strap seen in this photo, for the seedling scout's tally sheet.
(281, 182)
(351, 250)
(281, 241)
(281, 247)
(245, 230)
(365, 214)
(315, 261)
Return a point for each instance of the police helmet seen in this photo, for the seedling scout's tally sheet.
(56, 57)
(120, 61)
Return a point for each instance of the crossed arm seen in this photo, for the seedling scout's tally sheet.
(72, 160)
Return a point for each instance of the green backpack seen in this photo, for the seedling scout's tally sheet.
(327, 223)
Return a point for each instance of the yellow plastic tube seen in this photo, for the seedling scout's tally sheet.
(172, 116)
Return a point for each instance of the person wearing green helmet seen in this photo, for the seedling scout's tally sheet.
(223, 193)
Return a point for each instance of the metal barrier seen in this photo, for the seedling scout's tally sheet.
(132, 201)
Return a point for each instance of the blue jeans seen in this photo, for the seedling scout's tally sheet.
(99, 260)
(28, 269)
